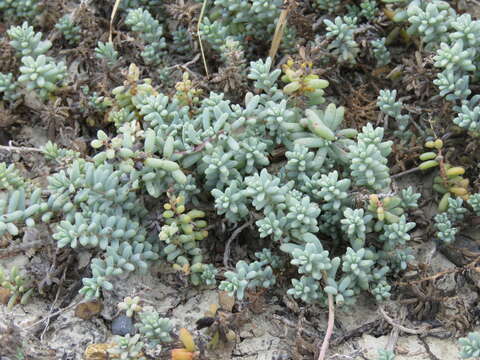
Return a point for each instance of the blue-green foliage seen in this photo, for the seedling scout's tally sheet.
(239, 20)
(151, 32)
(380, 51)
(247, 276)
(9, 87)
(18, 9)
(232, 202)
(455, 40)
(19, 286)
(474, 202)
(10, 177)
(106, 52)
(470, 346)
(445, 223)
(128, 347)
(226, 150)
(41, 74)
(386, 355)
(27, 42)
(369, 159)
(38, 73)
(69, 30)
(390, 106)
(354, 226)
(182, 40)
(396, 234)
(329, 5)
(455, 210)
(19, 207)
(369, 9)
(445, 230)
(430, 20)
(409, 198)
(468, 116)
(343, 44)
(153, 328)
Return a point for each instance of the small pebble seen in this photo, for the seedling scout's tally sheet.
(123, 325)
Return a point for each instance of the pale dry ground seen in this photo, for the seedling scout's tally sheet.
(264, 335)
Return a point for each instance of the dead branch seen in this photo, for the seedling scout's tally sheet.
(329, 332)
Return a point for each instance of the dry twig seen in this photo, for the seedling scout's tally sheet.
(11, 148)
(399, 326)
(329, 332)
(112, 16)
(200, 38)
(277, 36)
(226, 254)
(18, 248)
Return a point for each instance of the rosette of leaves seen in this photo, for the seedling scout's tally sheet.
(468, 115)
(369, 9)
(266, 191)
(208, 273)
(474, 202)
(310, 258)
(53, 152)
(320, 129)
(453, 85)
(470, 346)
(455, 210)
(121, 258)
(300, 81)
(449, 180)
(248, 276)
(18, 9)
(239, 19)
(354, 226)
(380, 51)
(9, 87)
(153, 328)
(301, 166)
(232, 202)
(130, 305)
(265, 79)
(151, 32)
(385, 355)
(127, 348)
(20, 207)
(181, 233)
(465, 28)
(306, 289)
(106, 52)
(358, 266)
(385, 210)
(409, 198)
(430, 20)
(329, 5)
(10, 177)
(390, 106)
(454, 57)
(18, 285)
(396, 234)
(27, 42)
(343, 44)
(381, 291)
(41, 74)
(69, 30)
(446, 230)
(368, 157)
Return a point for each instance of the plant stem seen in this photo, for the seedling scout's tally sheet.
(328, 334)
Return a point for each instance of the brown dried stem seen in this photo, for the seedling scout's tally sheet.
(329, 332)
